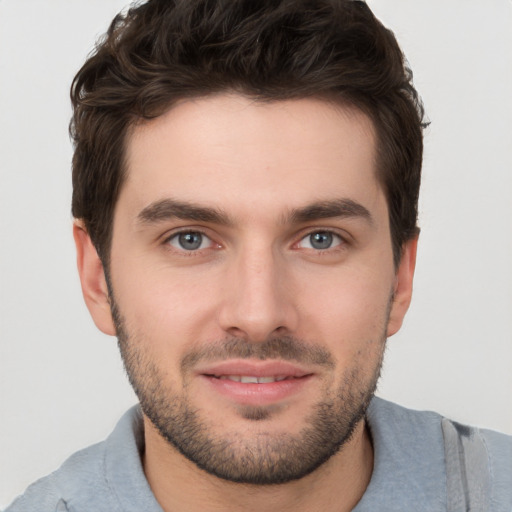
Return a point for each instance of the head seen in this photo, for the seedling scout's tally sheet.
(246, 178)
(161, 52)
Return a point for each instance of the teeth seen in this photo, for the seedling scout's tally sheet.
(265, 380)
(235, 378)
(249, 379)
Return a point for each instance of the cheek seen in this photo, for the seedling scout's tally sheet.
(349, 307)
(166, 307)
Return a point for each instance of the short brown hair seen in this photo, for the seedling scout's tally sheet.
(165, 50)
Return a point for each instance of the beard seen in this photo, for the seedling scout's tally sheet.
(266, 457)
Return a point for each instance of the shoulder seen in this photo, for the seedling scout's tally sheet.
(479, 464)
(92, 478)
(499, 450)
(468, 463)
(384, 413)
(51, 493)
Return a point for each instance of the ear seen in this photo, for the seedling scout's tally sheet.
(92, 279)
(403, 286)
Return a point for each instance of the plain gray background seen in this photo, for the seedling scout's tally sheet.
(62, 385)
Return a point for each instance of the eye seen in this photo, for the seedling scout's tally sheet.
(190, 241)
(320, 240)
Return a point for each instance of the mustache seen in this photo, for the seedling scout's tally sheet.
(286, 348)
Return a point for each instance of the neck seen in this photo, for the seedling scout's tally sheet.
(337, 485)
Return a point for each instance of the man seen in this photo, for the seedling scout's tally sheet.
(246, 178)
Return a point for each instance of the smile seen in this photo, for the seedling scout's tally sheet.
(250, 379)
(253, 384)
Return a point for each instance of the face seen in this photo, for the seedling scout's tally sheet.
(252, 282)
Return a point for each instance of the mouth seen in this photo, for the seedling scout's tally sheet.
(252, 379)
(255, 383)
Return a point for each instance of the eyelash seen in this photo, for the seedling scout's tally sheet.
(338, 240)
(192, 252)
(342, 244)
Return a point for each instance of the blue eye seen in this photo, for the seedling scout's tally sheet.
(320, 240)
(190, 241)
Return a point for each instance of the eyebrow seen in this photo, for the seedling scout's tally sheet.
(336, 208)
(167, 209)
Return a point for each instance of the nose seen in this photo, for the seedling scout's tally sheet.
(258, 300)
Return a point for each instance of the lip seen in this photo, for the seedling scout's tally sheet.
(255, 368)
(256, 394)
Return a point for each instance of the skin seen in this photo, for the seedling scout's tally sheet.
(255, 276)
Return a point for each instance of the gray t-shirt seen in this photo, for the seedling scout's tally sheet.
(410, 469)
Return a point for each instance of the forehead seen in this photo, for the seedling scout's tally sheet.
(252, 155)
